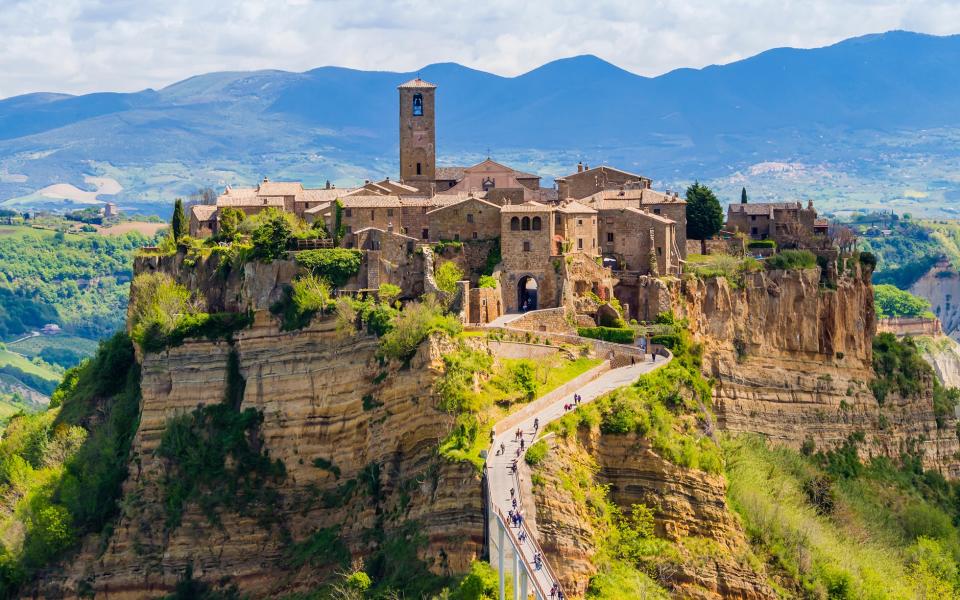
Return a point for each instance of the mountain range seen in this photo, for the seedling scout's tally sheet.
(873, 116)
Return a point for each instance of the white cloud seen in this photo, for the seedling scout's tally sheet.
(79, 46)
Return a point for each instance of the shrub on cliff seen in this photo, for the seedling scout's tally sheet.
(899, 367)
(302, 299)
(412, 325)
(336, 265)
(791, 260)
(271, 235)
(447, 276)
(617, 335)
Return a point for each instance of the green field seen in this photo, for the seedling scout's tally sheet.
(15, 360)
(31, 347)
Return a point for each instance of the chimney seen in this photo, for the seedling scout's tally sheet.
(586, 167)
(366, 182)
(676, 194)
(388, 179)
(810, 204)
(265, 180)
(580, 167)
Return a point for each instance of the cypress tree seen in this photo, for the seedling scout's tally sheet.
(743, 195)
(178, 222)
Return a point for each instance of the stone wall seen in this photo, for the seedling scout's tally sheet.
(471, 219)
(485, 305)
(913, 326)
(550, 320)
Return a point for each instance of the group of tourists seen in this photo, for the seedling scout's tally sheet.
(556, 592)
(515, 518)
(577, 399)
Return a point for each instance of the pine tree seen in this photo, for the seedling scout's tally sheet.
(743, 195)
(179, 220)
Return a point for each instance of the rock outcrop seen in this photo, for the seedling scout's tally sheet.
(333, 414)
(687, 504)
(791, 360)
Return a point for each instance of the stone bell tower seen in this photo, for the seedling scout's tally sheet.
(418, 134)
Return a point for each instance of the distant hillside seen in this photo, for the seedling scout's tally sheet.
(858, 110)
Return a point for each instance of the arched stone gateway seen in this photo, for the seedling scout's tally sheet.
(527, 294)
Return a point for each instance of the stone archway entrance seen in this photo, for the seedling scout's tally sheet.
(527, 294)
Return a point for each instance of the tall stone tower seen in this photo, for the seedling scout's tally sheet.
(418, 134)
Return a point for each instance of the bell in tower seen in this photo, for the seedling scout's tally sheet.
(418, 134)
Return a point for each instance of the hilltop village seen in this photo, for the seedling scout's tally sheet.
(598, 230)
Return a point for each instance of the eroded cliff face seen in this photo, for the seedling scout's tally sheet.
(322, 396)
(689, 507)
(791, 360)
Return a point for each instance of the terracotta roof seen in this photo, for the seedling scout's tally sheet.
(530, 206)
(321, 195)
(649, 215)
(461, 201)
(384, 232)
(371, 201)
(423, 201)
(251, 200)
(601, 169)
(416, 83)
(762, 208)
(279, 188)
(618, 198)
(821, 223)
(576, 208)
(449, 173)
(322, 207)
(203, 212)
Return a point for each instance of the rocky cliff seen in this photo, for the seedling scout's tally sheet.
(358, 442)
(791, 359)
(709, 556)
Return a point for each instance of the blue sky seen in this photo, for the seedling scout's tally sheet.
(79, 46)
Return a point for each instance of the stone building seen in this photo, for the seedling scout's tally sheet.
(779, 221)
(586, 182)
(467, 219)
(635, 240)
(577, 227)
(527, 244)
(490, 176)
(418, 135)
(668, 205)
(203, 220)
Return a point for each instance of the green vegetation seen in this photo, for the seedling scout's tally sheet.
(721, 265)
(836, 528)
(791, 260)
(447, 276)
(503, 384)
(179, 225)
(665, 406)
(899, 367)
(272, 234)
(891, 301)
(494, 257)
(36, 373)
(409, 327)
(761, 244)
(482, 583)
(617, 335)
(164, 314)
(487, 281)
(336, 265)
(215, 459)
(305, 297)
(704, 214)
(537, 453)
(61, 470)
(76, 281)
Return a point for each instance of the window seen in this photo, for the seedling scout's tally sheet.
(389, 212)
(349, 212)
(579, 243)
(409, 247)
(593, 242)
(537, 224)
(456, 237)
(525, 224)
(659, 251)
(609, 237)
(418, 105)
(425, 234)
(418, 169)
(753, 231)
(474, 235)
(264, 201)
(469, 217)
(371, 215)
(349, 229)
(753, 217)
(656, 211)
(515, 224)
(579, 221)
(526, 246)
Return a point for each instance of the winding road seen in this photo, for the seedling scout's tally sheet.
(501, 478)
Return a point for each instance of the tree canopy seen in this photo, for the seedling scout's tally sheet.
(891, 301)
(704, 215)
(178, 223)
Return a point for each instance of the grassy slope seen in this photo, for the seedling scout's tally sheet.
(13, 359)
(33, 346)
(873, 535)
